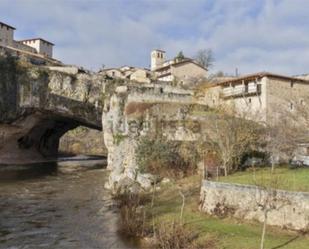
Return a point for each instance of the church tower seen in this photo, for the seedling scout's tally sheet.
(157, 59)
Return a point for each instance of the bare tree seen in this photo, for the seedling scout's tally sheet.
(268, 199)
(231, 136)
(205, 58)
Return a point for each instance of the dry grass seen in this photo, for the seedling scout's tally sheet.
(132, 214)
(176, 235)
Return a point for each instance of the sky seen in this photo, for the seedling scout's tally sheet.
(253, 36)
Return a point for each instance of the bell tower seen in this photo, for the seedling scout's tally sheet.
(157, 58)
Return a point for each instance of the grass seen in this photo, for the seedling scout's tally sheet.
(286, 178)
(229, 233)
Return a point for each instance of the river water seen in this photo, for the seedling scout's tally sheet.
(58, 205)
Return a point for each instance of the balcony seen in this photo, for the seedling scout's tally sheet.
(241, 91)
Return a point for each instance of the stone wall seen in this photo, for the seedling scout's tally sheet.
(290, 209)
(284, 97)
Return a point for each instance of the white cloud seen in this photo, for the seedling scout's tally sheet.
(266, 35)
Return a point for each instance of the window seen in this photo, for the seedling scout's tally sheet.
(292, 84)
(291, 106)
(113, 73)
(249, 100)
(302, 102)
(258, 88)
(246, 87)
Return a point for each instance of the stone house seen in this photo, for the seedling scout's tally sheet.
(40, 45)
(141, 75)
(35, 45)
(6, 34)
(183, 70)
(264, 94)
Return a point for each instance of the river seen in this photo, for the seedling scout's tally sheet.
(58, 205)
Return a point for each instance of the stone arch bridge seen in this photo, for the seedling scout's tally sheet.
(38, 105)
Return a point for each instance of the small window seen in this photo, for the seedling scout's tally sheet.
(259, 88)
(291, 106)
(249, 100)
(292, 84)
(246, 87)
(113, 73)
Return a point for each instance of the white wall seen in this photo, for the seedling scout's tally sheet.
(23, 47)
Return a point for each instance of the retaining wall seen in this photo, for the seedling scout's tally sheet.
(287, 209)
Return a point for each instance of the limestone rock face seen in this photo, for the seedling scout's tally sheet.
(136, 111)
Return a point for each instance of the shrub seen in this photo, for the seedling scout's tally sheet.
(132, 215)
(166, 158)
(176, 235)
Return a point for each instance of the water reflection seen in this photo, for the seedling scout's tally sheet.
(58, 205)
(23, 172)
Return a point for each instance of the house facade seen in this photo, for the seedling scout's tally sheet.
(263, 95)
(182, 70)
(141, 75)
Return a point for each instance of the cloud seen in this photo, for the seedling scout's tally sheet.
(259, 35)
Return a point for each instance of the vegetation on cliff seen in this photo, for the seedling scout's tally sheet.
(167, 158)
(14, 75)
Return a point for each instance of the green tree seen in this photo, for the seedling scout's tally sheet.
(180, 56)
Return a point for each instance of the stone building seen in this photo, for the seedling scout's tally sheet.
(6, 34)
(141, 75)
(182, 70)
(35, 45)
(40, 45)
(264, 95)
